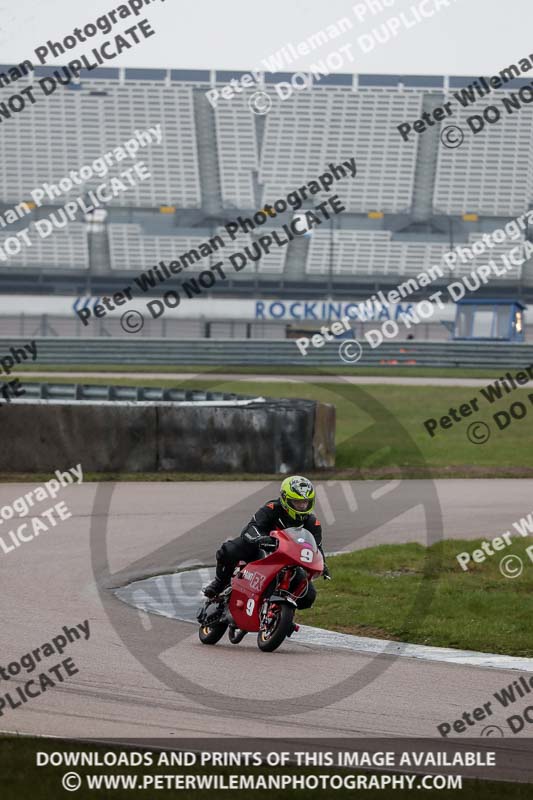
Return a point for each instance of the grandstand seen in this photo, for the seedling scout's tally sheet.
(410, 202)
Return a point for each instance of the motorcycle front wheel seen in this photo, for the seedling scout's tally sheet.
(274, 631)
(211, 634)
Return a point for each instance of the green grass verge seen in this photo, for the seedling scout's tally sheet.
(20, 778)
(421, 595)
(398, 443)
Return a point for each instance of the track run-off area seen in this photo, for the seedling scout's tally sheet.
(143, 675)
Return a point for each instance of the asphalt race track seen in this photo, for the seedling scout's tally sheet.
(141, 675)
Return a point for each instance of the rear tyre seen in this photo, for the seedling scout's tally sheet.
(235, 635)
(272, 635)
(211, 634)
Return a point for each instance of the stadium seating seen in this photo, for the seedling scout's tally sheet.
(256, 159)
(80, 126)
(313, 128)
(237, 154)
(367, 253)
(65, 248)
(490, 173)
(133, 249)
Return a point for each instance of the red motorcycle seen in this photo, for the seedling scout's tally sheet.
(263, 594)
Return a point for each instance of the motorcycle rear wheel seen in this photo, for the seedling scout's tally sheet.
(270, 639)
(211, 634)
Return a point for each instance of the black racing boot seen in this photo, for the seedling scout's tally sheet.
(223, 573)
(215, 587)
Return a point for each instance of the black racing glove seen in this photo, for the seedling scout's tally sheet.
(326, 573)
(266, 541)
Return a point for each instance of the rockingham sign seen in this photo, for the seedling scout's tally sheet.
(310, 311)
(221, 309)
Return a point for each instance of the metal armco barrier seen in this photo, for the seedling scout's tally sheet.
(147, 394)
(250, 352)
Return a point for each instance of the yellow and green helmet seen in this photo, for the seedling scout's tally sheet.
(297, 495)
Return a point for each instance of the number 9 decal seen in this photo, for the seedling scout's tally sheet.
(306, 555)
(250, 605)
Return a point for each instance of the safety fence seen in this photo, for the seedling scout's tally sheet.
(224, 353)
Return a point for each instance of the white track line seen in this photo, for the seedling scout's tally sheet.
(147, 596)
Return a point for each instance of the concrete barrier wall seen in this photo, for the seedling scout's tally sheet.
(42, 437)
(274, 436)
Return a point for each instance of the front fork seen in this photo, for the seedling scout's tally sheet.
(291, 584)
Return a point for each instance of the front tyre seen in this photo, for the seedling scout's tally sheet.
(211, 634)
(276, 626)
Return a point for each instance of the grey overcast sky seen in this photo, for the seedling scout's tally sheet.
(469, 37)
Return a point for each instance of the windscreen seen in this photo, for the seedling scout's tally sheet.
(302, 536)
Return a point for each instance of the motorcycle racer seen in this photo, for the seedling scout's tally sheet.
(293, 507)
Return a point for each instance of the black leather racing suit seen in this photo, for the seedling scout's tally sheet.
(244, 547)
